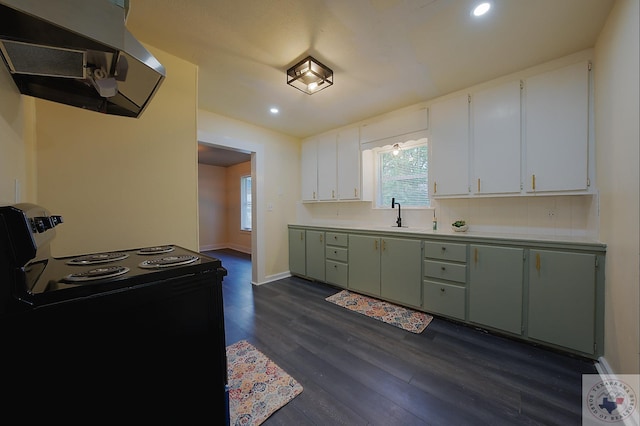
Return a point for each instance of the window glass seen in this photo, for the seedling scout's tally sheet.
(403, 176)
(245, 208)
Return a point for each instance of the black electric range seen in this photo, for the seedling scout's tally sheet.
(129, 336)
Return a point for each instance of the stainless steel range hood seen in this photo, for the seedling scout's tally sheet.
(79, 53)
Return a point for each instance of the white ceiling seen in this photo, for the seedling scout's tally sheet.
(385, 54)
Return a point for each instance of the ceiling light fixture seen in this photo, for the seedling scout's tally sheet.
(481, 9)
(396, 148)
(309, 76)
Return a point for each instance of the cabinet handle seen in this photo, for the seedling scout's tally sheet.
(538, 262)
(335, 266)
(320, 237)
(314, 195)
(333, 194)
(384, 245)
(335, 237)
(478, 184)
(355, 192)
(335, 252)
(442, 289)
(444, 249)
(475, 256)
(301, 235)
(375, 244)
(533, 182)
(435, 187)
(443, 268)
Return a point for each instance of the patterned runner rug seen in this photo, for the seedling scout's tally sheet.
(407, 319)
(258, 387)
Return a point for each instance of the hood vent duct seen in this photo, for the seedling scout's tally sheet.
(78, 53)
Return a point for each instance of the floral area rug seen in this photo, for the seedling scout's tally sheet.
(401, 317)
(257, 386)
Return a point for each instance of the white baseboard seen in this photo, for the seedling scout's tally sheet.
(274, 277)
(603, 367)
(221, 246)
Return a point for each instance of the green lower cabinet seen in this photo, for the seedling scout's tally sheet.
(364, 264)
(315, 255)
(444, 299)
(495, 287)
(297, 251)
(401, 275)
(562, 299)
(386, 267)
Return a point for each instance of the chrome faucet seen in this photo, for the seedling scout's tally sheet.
(393, 205)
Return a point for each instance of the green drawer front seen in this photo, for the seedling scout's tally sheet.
(336, 253)
(337, 239)
(445, 271)
(445, 251)
(444, 299)
(337, 273)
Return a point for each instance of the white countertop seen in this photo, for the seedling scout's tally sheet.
(469, 234)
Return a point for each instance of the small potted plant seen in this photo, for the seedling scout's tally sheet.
(459, 226)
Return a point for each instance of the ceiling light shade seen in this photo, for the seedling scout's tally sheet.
(309, 76)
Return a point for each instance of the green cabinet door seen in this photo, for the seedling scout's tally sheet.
(495, 287)
(562, 293)
(315, 255)
(297, 251)
(364, 264)
(401, 275)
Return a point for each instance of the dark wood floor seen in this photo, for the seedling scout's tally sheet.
(359, 371)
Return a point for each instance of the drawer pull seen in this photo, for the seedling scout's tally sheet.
(335, 266)
(442, 289)
(444, 248)
(335, 237)
(335, 252)
(443, 268)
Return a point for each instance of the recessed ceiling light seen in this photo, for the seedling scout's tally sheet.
(274, 110)
(481, 9)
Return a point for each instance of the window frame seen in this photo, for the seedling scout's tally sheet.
(378, 152)
(246, 203)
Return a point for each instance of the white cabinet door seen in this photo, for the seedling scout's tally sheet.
(327, 167)
(449, 142)
(495, 142)
(556, 129)
(309, 170)
(349, 187)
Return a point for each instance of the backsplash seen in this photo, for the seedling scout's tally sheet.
(562, 215)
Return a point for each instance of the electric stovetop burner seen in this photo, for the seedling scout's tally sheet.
(168, 261)
(91, 259)
(156, 250)
(97, 274)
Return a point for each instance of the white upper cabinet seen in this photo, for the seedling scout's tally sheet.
(349, 164)
(495, 141)
(449, 147)
(556, 133)
(327, 167)
(309, 170)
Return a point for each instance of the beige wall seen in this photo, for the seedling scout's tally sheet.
(212, 206)
(17, 158)
(121, 182)
(237, 239)
(618, 155)
(276, 183)
(219, 205)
